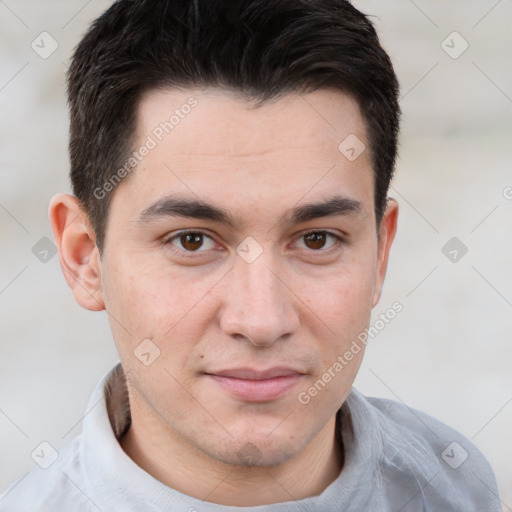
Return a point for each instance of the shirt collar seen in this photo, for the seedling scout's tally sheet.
(116, 483)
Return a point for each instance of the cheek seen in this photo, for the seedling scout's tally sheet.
(149, 302)
(342, 300)
(342, 303)
(345, 308)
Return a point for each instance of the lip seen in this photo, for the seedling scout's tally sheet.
(252, 385)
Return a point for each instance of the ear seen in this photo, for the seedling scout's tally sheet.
(387, 231)
(78, 253)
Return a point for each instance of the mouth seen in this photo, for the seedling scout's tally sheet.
(252, 385)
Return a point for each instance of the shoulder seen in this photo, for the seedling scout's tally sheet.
(443, 464)
(49, 488)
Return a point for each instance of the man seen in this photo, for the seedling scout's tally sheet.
(230, 164)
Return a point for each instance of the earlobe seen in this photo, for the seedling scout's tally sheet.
(78, 253)
(387, 232)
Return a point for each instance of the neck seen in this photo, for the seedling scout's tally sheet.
(173, 461)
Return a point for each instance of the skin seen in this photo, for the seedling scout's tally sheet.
(299, 304)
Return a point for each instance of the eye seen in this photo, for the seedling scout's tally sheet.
(318, 240)
(191, 241)
(198, 241)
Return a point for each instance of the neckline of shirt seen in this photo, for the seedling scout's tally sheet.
(116, 481)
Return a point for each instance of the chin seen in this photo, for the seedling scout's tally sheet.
(256, 451)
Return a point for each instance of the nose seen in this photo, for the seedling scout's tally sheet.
(259, 305)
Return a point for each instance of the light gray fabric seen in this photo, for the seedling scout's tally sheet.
(397, 459)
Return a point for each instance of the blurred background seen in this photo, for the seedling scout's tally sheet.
(447, 353)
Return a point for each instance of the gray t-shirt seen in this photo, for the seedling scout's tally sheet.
(397, 459)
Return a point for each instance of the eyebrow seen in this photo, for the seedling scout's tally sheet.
(176, 206)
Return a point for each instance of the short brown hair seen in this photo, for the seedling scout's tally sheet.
(261, 49)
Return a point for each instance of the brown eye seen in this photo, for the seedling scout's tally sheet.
(191, 241)
(317, 240)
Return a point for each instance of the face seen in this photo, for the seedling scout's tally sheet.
(241, 291)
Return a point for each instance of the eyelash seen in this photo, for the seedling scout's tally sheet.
(191, 254)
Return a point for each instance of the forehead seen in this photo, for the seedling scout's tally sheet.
(225, 124)
(210, 144)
